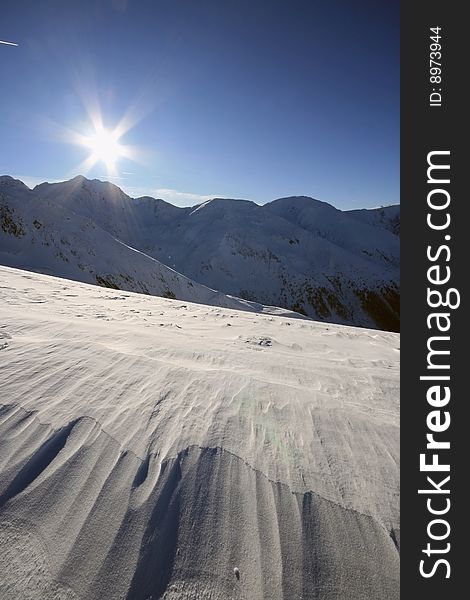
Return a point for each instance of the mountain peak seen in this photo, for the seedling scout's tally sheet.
(300, 202)
(224, 204)
(7, 181)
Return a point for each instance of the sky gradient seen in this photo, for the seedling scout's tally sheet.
(254, 99)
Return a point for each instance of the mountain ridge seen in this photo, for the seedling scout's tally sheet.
(295, 252)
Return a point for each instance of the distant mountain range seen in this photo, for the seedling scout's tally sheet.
(296, 253)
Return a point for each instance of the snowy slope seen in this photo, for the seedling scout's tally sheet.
(336, 226)
(58, 238)
(149, 447)
(297, 253)
(385, 217)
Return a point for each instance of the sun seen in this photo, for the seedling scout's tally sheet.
(105, 147)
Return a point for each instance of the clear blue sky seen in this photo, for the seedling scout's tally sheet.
(253, 99)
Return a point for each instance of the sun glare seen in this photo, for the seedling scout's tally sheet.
(105, 147)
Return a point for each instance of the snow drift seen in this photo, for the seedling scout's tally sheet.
(152, 449)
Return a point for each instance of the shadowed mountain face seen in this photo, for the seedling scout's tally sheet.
(297, 253)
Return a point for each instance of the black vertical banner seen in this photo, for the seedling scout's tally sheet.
(435, 253)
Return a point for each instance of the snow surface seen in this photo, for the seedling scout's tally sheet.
(152, 448)
(298, 253)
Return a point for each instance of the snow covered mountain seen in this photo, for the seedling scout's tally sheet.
(45, 235)
(387, 217)
(297, 253)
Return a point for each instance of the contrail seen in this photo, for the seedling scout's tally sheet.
(8, 43)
